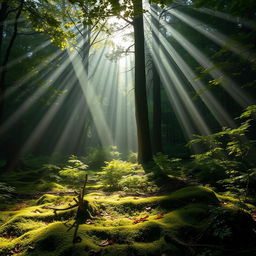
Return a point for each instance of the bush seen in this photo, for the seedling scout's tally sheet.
(134, 183)
(115, 170)
(132, 157)
(75, 171)
(98, 156)
(5, 191)
(228, 158)
(168, 165)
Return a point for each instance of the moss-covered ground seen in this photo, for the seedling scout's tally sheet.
(188, 219)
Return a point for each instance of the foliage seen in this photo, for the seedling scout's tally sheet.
(36, 162)
(75, 171)
(5, 191)
(133, 183)
(97, 156)
(168, 165)
(220, 227)
(227, 159)
(132, 157)
(52, 18)
(115, 170)
(242, 183)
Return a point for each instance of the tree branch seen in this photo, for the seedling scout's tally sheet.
(97, 34)
(78, 29)
(128, 21)
(169, 8)
(127, 50)
(9, 48)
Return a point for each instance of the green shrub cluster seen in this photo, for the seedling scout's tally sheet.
(75, 171)
(5, 191)
(97, 156)
(123, 175)
(228, 160)
(168, 165)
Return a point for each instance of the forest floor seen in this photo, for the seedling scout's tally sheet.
(179, 218)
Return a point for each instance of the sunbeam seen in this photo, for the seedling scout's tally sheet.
(228, 84)
(213, 105)
(215, 36)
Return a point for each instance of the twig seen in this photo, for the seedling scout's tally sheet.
(166, 10)
(127, 50)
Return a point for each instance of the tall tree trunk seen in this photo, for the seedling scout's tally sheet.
(141, 106)
(11, 147)
(157, 110)
(157, 113)
(3, 15)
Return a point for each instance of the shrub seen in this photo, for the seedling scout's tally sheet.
(228, 158)
(5, 191)
(132, 157)
(134, 183)
(168, 165)
(115, 170)
(75, 171)
(98, 156)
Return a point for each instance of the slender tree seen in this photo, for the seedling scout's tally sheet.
(141, 106)
(157, 109)
(5, 10)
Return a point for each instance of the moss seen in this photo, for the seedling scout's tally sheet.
(186, 214)
(49, 243)
(179, 198)
(55, 234)
(149, 233)
(47, 198)
(232, 201)
(48, 186)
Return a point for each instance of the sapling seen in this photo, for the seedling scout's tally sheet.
(82, 213)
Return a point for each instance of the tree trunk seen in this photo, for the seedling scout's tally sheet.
(157, 110)
(141, 106)
(157, 113)
(3, 16)
(11, 147)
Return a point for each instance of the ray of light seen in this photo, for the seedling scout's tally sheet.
(175, 86)
(214, 35)
(35, 96)
(31, 75)
(75, 112)
(42, 126)
(124, 122)
(28, 54)
(130, 105)
(238, 20)
(92, 101)
(228, 84)
(213, 105)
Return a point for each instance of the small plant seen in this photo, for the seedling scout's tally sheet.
(115, 170)
(227, 159)
(168, 165)
(75, 171)
(132, 183)
(162, 161)
(98, 156)
(5, 191)
(132, 157)
(220, 227)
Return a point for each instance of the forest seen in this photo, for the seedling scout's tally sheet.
(127, 127)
